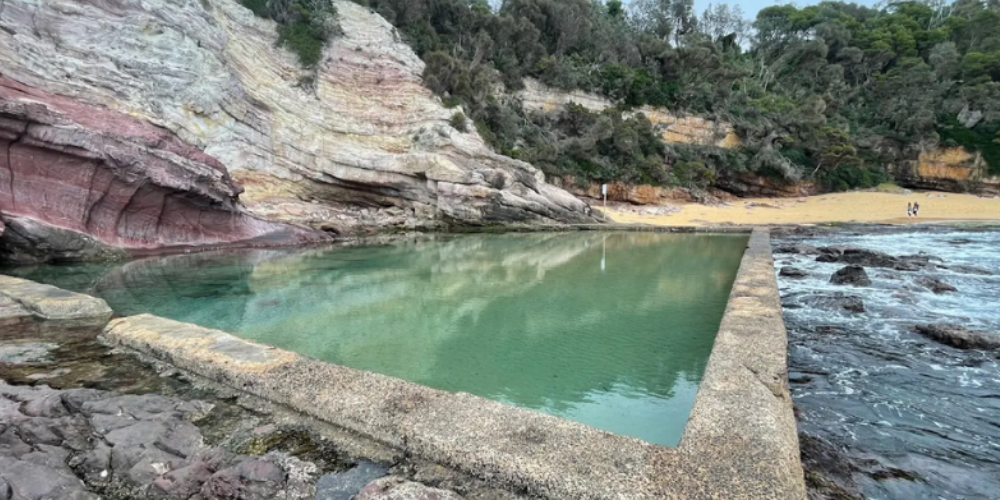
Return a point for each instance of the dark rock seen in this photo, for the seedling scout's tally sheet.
(94, 465)
(344, 485)
(29, 481)
(799, 249)
(37, 431)
(792, 272)
(188, 480)
(935, 285)
(50, 405)
(253, 479)
(966, 269)
(136, 448)
(872, 258)
(829, 473)
(851, 303)
(56, 444)
(959, 337)
(28, 241)
(74, 399)
(853, 275)
(831, 330)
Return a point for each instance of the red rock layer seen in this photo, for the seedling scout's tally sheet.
(119, 179)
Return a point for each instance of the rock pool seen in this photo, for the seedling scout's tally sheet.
(612, 330)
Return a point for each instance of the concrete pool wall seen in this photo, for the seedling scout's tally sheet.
(740, 440)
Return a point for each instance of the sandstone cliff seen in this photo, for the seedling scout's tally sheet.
(673, 127)
(168, 108)
(948, 169)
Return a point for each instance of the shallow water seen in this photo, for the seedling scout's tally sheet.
(610, 329)
(920, 420)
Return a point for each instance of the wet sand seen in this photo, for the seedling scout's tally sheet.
(876, 207)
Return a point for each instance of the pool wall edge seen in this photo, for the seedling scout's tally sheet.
(743, 410)
(740, 441)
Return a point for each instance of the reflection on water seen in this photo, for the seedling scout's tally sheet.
(609, 329)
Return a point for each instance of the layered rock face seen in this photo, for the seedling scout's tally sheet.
(948, 169)
(151, 110)
(673, 127)
(752, 185)
(77, 181)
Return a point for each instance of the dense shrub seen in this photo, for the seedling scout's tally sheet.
(304, 26)
(458, 122)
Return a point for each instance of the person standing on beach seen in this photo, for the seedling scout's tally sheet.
(916, 207)
(909, 209)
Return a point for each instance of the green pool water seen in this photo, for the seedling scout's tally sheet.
(609, 329)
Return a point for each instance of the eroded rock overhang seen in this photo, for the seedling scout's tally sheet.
(81, 182)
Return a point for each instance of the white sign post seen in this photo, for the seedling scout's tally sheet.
(604, 192)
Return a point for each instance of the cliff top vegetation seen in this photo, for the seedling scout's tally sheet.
(831, 92)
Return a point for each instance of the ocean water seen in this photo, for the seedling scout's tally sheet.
(918, 419)
(609, 329)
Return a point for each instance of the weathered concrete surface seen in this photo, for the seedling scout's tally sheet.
(740, 442)
(50, 303)
(742, 431)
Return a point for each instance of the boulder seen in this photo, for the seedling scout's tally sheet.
(798, 248)
(29, 241)
(959, 336)
(792, 272)
(935, 285)
(872, 258)
(967, 269)
(852, 275)
(850, 303)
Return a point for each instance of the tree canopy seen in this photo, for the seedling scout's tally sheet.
(833, 91)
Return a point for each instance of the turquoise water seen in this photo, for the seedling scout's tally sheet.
(609, 329)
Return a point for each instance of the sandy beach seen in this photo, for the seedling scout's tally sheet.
(875, 207)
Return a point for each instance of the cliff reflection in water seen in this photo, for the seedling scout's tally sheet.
(535, 320)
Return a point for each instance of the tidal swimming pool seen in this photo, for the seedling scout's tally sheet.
(610, 329)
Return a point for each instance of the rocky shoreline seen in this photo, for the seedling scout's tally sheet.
(890, 356)
(80, 420)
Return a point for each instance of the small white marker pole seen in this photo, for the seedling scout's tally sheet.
(604, 191)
